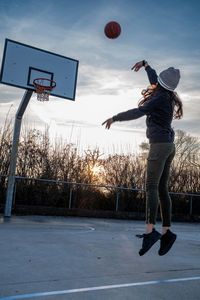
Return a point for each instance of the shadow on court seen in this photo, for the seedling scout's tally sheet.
(82, 258)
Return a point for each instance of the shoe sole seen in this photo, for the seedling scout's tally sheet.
(142, 252)
(163, 252)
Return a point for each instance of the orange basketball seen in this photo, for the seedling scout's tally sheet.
(112, 30)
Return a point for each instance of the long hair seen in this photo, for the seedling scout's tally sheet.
(155, 91)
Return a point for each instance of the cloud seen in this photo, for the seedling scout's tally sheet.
(10, 94)
(106, 81)
(106, 85)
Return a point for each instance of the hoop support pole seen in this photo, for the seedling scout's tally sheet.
(14, 152)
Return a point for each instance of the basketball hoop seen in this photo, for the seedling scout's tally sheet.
(43, 88)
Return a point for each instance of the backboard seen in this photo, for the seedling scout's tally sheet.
(22, 63)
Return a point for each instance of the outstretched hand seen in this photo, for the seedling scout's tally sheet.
(108, 123)
(137, 66)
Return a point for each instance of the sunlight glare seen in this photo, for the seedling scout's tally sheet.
(96, 170)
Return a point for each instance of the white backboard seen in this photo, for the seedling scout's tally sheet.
(22, 63)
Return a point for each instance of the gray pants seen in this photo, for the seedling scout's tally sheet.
(158, 170)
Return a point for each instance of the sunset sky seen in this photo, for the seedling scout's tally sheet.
(165, 33)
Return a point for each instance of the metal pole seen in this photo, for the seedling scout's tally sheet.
(191, 206)
(70, 197)
(117, 201)
(14, 195)
(14, 151)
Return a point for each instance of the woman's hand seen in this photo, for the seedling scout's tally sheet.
(137, 66)
(108, 123)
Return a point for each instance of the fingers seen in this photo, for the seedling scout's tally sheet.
(137, 66)
(133, 67)
(108, 123)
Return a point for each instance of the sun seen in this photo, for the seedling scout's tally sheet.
(96, 170)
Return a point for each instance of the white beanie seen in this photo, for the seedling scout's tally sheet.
(169, 78)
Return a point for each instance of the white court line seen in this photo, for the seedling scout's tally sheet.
(98, 288)
(64, 232)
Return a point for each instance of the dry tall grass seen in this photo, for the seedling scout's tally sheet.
(38, 158)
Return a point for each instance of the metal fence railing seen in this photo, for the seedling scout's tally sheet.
(118, 189)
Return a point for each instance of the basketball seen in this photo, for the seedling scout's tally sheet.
(112, 30)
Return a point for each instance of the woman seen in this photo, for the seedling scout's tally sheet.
(160, 104)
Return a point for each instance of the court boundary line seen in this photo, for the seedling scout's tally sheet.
(98, 288)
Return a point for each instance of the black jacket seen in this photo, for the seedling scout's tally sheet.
(159, 112)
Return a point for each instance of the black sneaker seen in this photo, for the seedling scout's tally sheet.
(149, 239)
(166, 242)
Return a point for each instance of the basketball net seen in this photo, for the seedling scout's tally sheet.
(43, 91)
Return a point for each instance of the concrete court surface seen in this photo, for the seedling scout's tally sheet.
(86, 258)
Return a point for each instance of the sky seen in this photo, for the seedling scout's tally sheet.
(165, 33)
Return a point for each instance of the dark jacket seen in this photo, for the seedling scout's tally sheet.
(159, 112)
